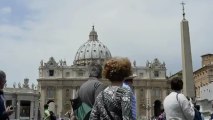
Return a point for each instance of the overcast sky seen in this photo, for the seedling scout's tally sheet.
(35, 30)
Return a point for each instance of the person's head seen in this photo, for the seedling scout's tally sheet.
(116, 69)
(157, 108)
(2, 79)
(197, 107)
(129, 80)
(46, 106)
(176, 84)
(95, 70)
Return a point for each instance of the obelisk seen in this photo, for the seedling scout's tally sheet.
(187, 72)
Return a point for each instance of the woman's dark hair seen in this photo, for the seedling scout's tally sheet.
(176, 84)
(157, 108)
(46, 106)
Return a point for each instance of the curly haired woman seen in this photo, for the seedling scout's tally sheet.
(114, 103)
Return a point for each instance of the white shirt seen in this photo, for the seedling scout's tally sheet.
(180, 109)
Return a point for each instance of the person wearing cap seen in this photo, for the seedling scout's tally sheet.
(4, 112)
(128, 83)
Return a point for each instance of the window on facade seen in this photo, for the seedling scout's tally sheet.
(8, 103)
(80, 73)
(153, 92)
(158, 92)
(51, 72)
(141, 74)
(50, 92)
(67, 74)
(142, 93)
(156, 73)
(25, 109)
(67, 92)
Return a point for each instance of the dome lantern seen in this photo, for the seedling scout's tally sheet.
(93, 34)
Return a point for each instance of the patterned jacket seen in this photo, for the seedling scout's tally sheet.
(114, 103)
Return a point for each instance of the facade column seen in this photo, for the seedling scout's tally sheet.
(59, 101)
(73, 92)
(164, 93)
(42, 100)
(148, 103)
(18, 109)
(137, 95)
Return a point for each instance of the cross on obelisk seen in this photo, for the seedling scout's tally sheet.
(183, 9)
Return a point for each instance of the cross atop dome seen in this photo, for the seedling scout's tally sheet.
(93, 34)
(93, 27)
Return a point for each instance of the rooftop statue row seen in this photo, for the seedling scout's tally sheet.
(24, 86)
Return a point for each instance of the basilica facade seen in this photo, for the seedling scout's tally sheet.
(60, 82)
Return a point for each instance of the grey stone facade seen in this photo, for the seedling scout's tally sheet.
(24, 99)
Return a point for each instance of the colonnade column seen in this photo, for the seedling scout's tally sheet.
(14, 107)
(32, 112)
(18, 104)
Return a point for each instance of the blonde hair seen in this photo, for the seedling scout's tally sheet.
(116, 69)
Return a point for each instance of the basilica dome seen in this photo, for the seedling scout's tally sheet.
(92, 51)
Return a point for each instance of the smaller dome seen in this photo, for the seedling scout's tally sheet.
(92, 51)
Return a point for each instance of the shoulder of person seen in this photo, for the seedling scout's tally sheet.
(182, 97)
(91, 82)
(123, 90)
(97, 83)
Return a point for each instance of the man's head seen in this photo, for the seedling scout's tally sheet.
(2, 79)
(95, 70)
(197, 107)
(176, 84)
